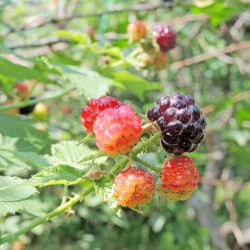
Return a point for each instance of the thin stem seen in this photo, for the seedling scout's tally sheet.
(146, 164)
(137, 149)
(47, 217)
(89, 136)
(143, 144)
(31, 102)
(65, 195)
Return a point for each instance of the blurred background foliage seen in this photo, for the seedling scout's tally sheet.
(76, 50)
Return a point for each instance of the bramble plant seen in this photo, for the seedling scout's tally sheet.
(124, 121)
(119, 131)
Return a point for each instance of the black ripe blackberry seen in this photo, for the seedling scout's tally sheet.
(181, 122)
(27, 109)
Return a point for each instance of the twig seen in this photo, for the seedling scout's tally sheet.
(43, 42)
(235, 225)
(200, 58)
(219, 182)
(186, 19)
(235, 99)
(71, 7)
(109, 36)
(31, 102)
(133, 8)
(47, 217)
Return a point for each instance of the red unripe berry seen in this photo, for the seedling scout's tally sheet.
(137, 30)
(117, 130)
(165, 37)
(91, 33)
(22, 90)
(66, 110)
(178, 180)
(134, 188)
(95, 107)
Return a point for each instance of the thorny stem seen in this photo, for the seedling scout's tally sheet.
(47, 217)
(121, 162)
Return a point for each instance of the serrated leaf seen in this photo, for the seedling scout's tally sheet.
(22, 73)
(67, 153)
(13, 196)
(89, 82)
(60, 175)
(135, 84)
(104, 189)
(14, 162)
(28, 138)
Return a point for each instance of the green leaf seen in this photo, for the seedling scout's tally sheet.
(22, 73)
(242, 203)
(138, 86)
(26, 137)
(60, 175)
(220, 11)
(104, 189)
(13, 196)
(113, 51)
(76, 36)
(239, 136)
(241, 155)
(15, 162)
(67, 153)
(89, 82)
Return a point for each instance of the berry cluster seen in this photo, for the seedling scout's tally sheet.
(117, 129)
(181, 122)
(152, 54)
(134, 188)
(178, 180)
(115, 125)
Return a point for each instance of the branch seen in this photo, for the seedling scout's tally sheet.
(109, 35)
(31, 102)
(47, 217)
(237, 98)
(137, 149)
(200, 58)
(219, 182)
(43, 42)
(133, 8)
